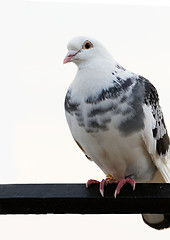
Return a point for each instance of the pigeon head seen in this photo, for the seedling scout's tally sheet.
(83, 50)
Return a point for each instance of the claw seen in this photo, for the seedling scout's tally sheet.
(108, 180)
(90, 182)
(119, 186)
(102, 184)
(131, 181)
(122, 183)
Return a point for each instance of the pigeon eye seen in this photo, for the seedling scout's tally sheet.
(87, 44)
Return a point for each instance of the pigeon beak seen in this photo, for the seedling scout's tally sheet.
(69, 56)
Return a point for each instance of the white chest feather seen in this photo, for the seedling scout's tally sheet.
(117, 155)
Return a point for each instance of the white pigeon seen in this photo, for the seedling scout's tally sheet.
(115, 118)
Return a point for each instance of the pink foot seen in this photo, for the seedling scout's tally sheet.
(103, 183)
(122, 183)
(90, 182)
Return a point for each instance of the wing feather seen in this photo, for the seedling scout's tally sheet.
(155, 134)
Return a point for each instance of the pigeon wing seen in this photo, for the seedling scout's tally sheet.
(155, 134)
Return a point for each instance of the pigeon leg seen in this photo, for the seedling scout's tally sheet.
(128, 179)
(108, 180)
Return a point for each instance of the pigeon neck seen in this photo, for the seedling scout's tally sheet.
(98, 64)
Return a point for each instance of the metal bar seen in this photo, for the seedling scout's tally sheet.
(76, 199)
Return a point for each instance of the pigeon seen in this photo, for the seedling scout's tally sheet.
(115, 118)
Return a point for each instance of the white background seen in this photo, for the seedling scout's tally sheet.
(35, 143)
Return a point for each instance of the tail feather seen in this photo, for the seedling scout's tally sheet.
(157, 221)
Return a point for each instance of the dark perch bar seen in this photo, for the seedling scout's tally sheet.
(76, 199)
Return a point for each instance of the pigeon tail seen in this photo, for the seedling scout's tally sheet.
(157, 221)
